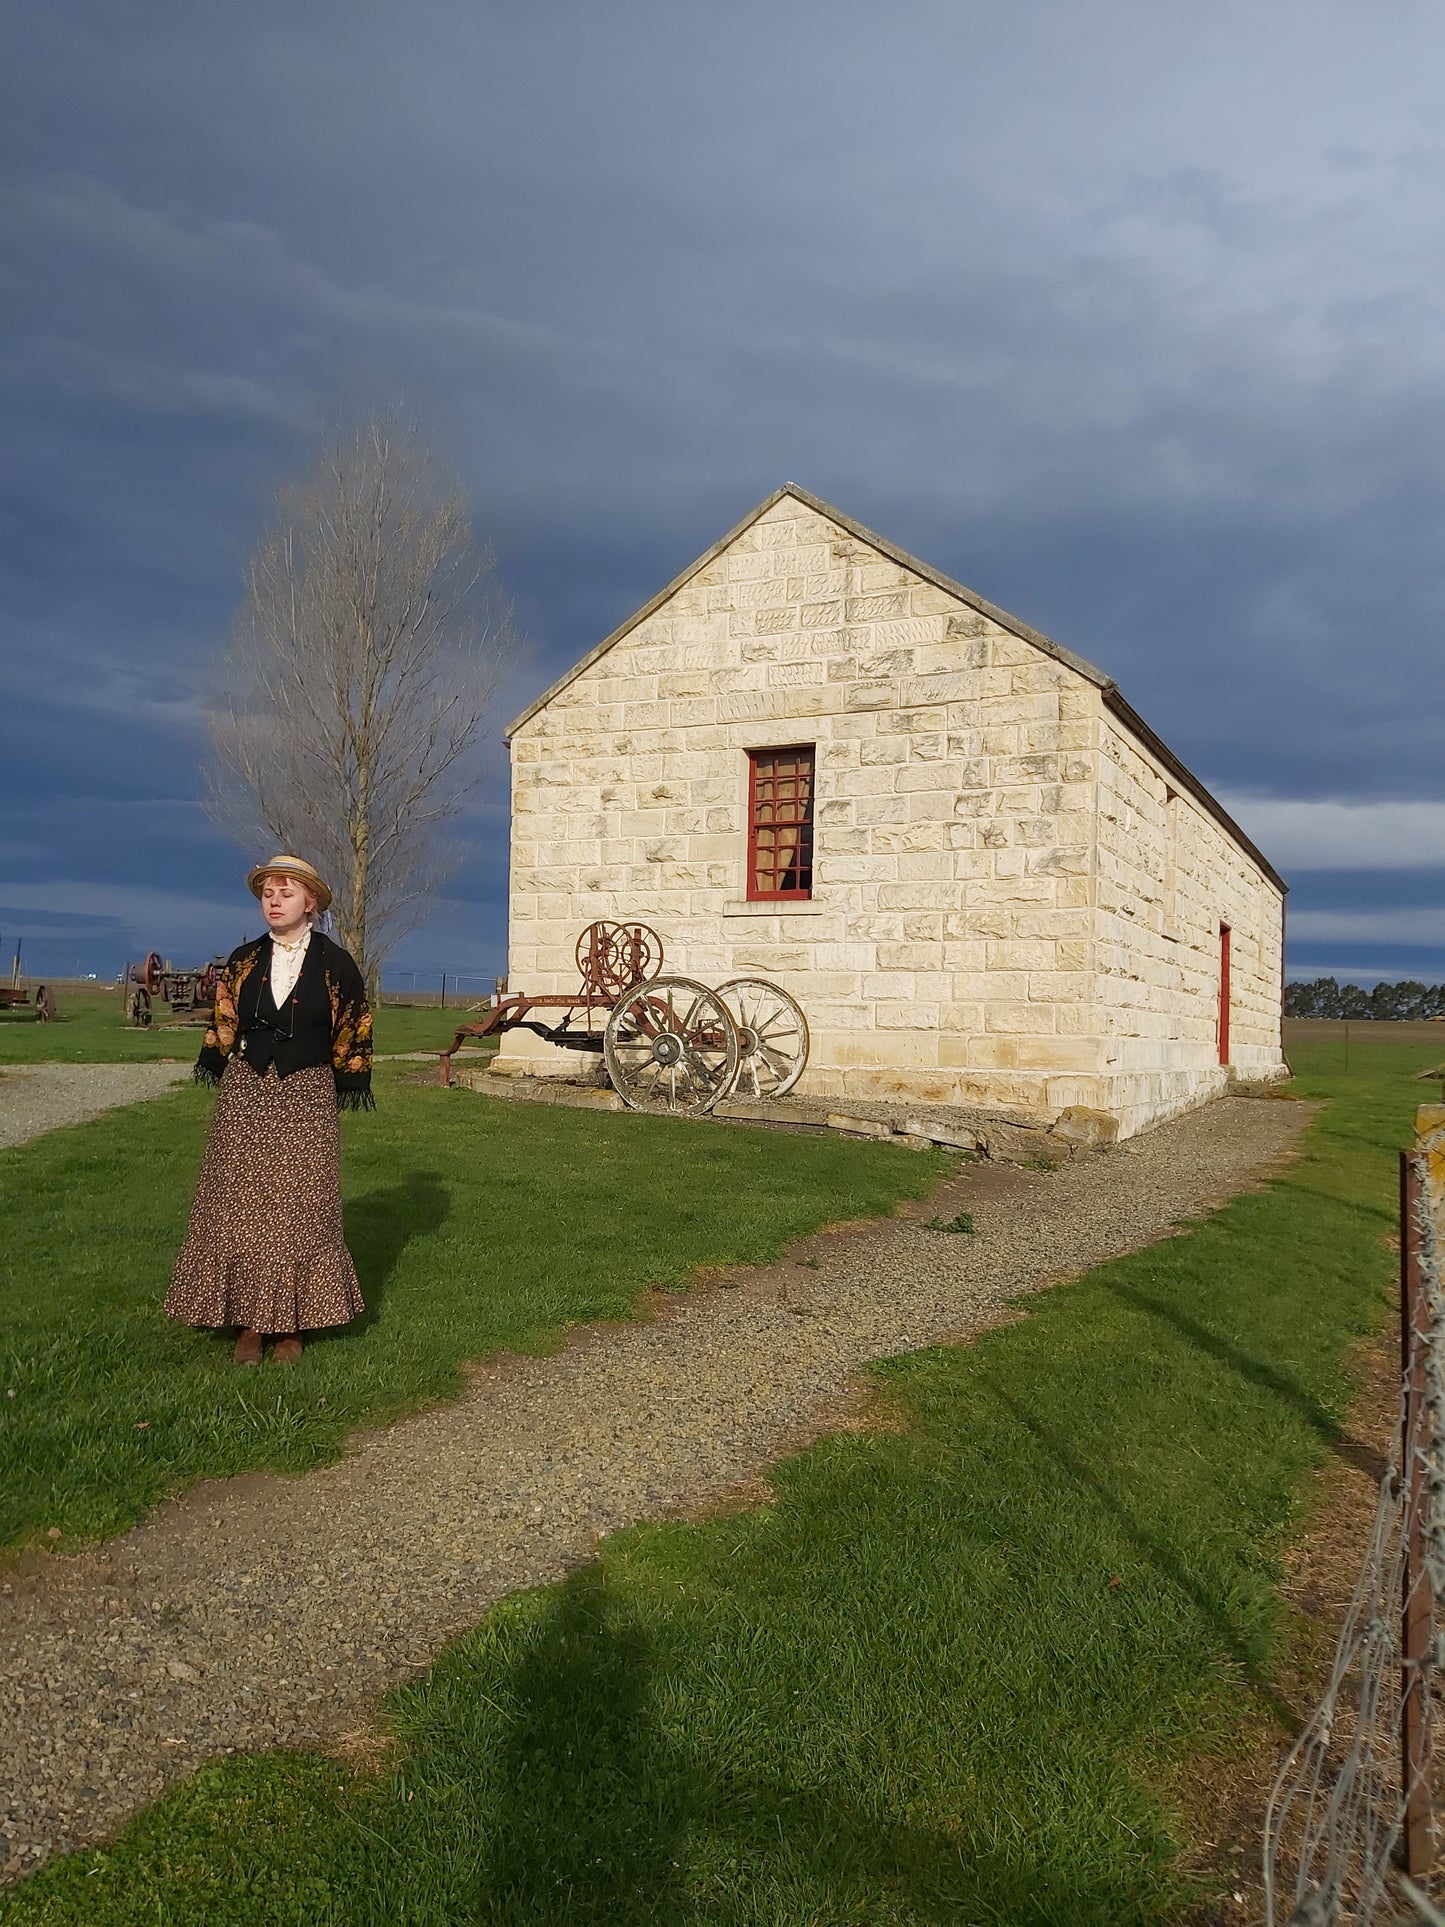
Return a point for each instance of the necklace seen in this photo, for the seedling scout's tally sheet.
(287, 964)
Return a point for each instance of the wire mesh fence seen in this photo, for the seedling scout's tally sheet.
(439, 987)
(1349, 1828)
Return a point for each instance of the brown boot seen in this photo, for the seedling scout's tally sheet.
(248, 1347)
(287, 1350)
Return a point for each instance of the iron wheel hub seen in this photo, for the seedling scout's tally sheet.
(667, 1049)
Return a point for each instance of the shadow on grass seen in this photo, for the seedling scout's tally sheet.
(1367, 1208)
(381, 1224)
(592, 1799)
(578, 1804)
(1355, 1452)
(1166, 1562)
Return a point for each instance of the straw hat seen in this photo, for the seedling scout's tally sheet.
(295, 867)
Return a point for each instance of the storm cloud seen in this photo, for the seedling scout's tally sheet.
(1128, 317)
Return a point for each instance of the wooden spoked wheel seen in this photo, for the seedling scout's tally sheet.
(671, 1045)
(772, 1037)
(612, 957)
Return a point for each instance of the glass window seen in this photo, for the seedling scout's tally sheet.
(780, 822)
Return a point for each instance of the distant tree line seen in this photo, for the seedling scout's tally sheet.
(1405, 1002)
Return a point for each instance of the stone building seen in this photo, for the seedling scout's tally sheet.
(988, 883)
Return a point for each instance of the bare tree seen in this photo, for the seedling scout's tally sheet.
(348, 707)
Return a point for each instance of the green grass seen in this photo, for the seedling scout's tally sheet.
(91, 1029)
(960, 1222)
(952, 1675)
(476, 1225)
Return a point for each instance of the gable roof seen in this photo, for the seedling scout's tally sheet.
(1109, 689)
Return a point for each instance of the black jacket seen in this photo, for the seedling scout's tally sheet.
(325, 1020)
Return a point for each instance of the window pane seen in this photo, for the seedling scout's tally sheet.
(780, 832)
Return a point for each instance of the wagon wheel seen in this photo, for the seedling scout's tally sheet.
(138, 1008)
(672, 1043)
(612, 957)
(772, 1037)
(44, 1005)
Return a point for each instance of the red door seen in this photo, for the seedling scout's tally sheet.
(1224, 993)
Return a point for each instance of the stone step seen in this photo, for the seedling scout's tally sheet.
(753, 1110)
(989, 1138)
(540, 1090)
(858, 1126)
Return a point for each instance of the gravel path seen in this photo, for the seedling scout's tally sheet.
(266, 1611)
(35, 1098)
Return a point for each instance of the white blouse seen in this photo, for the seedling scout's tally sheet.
(286, 961)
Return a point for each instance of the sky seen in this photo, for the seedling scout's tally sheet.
(1126, 315)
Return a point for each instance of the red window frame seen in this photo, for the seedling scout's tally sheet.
(781, 785)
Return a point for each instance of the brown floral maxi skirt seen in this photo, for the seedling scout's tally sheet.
(265, 1246)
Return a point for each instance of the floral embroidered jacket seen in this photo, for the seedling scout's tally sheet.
(325, 1020)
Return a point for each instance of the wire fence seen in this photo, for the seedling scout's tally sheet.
(443, 987)
(1349, 1832)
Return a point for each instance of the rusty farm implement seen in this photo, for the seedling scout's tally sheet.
(669, 1043)
(17, 995)
(156, 978)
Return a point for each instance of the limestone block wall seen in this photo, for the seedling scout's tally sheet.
(1168, 876)
(956, 948)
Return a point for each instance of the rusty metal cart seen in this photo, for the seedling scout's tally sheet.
(17, 995)
(39, 1002)
(157, 977)
(669, 1043)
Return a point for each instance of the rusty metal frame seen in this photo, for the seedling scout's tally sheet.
(606, 954)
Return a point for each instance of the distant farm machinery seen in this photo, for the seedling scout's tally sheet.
(669, 1043)
(17, 995)
(156, 978)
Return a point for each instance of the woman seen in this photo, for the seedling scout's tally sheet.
(289, 1045)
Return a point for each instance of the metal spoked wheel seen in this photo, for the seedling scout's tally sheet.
(672, 1044)
(772, 1037)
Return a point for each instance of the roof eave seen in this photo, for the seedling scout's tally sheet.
(946, 582)
(1162, 753)
(647, 609)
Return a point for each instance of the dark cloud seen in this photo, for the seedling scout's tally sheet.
(1135, 334)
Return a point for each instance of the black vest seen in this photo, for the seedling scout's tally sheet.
(298, 1035)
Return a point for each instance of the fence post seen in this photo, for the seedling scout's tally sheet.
(1416, 1603)
(444, 990)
